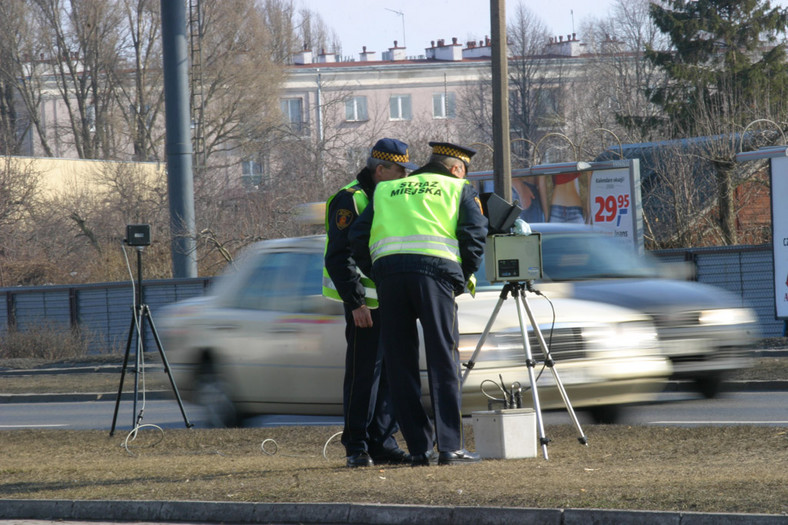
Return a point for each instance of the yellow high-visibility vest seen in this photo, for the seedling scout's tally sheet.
(433, 201)
(360, 200)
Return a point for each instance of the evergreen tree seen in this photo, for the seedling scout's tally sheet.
(724, 69)
(719, 48)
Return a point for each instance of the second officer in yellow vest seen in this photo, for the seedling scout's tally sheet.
(421, 239)
(368, 435)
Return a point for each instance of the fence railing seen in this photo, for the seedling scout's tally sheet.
(102, 310)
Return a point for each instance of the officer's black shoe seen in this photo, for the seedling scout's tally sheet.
(392, 456)
(424, 460)
(457, 457)
(359, 459)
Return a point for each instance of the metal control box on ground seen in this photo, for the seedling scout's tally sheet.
(513, 257)
(505, 434)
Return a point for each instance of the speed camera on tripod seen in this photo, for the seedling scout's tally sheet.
(509, 257)
(513, 257)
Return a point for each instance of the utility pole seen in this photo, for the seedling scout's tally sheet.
(502, 162)
(180, 180)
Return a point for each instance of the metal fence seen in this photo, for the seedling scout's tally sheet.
(105, 310)
(747, 271)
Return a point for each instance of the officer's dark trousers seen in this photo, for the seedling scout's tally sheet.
(404, 298)
(369, 417)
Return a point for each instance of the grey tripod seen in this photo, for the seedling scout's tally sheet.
(140, 315)
(517, 289)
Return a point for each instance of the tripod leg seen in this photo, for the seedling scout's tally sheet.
(138, 368)
(472, 361)
(530, 364)
(166, 365)
(123, 370)
(551, 364)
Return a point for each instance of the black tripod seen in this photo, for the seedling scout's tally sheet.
(517, 289)
(140, 314)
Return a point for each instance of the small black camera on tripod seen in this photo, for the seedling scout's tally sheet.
(137, 235)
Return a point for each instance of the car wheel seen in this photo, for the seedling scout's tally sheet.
(605, 414)
(213, 396)
(709, 385)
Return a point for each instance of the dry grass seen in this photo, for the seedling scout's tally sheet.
(93, 382)
(713, 469)
(720, 469)
(44, 341)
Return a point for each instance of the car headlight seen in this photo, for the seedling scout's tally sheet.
(620, 339)
(566, 342)
(726, 316)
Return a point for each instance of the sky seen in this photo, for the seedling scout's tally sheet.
(377, 24)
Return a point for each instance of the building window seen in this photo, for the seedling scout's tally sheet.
(444, 105)
(293, 110)
(90, 117)
(399, 107)
(251, 173)
(356, 109)
(547, 102)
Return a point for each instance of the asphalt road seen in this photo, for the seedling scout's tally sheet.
(675, 409)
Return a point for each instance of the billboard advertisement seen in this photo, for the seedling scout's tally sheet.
(779, 180)
(614, 202)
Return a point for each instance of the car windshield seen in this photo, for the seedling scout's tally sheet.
(575, 256)
(572, 256)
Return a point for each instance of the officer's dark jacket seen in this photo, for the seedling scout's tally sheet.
(471, 234)
(339, 260)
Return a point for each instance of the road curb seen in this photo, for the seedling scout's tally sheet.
(743, 385)
(353, 513)
(757, 385)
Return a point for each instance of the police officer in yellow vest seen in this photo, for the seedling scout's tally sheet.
(369, 419)
(421, 239)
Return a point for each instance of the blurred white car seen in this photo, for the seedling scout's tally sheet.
(706, 331)
(264, 341)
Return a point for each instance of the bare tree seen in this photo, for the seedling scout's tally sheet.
(140, 97)
(83, 35)
(240, 80)
(534, 91)
(19, 198)
(279, 18)
(23, 60)
(19, 186)
(316, 35)
(610, 104)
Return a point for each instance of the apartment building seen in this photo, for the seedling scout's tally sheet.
(399, 94)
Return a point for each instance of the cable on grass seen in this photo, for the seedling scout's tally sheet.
(270, 447)
(132, 436)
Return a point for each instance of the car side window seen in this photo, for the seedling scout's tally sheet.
(277, 282)
(312, 284)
